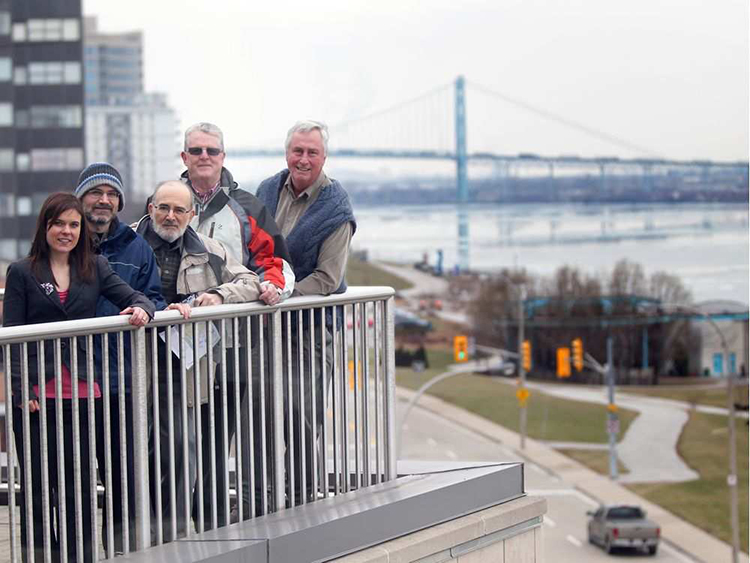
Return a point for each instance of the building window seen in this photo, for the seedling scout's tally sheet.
(19, 32)
(23, 162)
(53, 116)
(23, 206)
(6, 160)
(44, 160)
(50, 29)
(71, 30)
(6, 114)
(6, 69)
(4, 23)
(54, 73)
(19, 75)
(7, 205)
(8, 249)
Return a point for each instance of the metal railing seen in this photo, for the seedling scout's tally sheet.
(240, 411)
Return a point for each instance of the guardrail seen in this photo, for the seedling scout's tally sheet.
(280, 406)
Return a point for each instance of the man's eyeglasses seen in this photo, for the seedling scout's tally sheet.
(97, 193)
(165, 209)
(210, 151)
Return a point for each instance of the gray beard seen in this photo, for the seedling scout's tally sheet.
(167, 235)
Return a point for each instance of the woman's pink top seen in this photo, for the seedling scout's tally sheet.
(67, 379)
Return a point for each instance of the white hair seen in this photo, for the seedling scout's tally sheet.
(209, 129)
(305, 126)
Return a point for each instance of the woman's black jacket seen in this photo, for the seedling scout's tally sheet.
(30, 299)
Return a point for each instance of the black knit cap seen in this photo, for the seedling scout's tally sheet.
(100, 174)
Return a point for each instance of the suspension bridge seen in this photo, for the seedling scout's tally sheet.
(433, 126)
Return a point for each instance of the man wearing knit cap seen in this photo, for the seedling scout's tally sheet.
(102, 196)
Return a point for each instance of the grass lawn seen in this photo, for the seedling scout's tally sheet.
(598, 460)
(697, 395)
(705, 502)
(549, 418)
(364, 273)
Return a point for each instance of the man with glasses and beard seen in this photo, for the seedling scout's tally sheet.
(201, 271)
(100, 190)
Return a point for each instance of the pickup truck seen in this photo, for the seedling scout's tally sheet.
(623, 526)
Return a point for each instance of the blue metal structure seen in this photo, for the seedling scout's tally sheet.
(462, 176)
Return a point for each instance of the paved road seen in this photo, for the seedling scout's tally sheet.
(428, 436)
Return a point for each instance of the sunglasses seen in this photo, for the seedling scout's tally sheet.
(210, 151)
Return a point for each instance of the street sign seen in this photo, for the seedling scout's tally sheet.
(522, 394)
(613, 426)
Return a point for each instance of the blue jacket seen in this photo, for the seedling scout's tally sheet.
(132, 259)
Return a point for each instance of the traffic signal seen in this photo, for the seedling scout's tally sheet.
(460, 348)
(526, 355)
(577, 354)
(563, 362)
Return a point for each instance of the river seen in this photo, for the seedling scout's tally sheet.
(706, 245)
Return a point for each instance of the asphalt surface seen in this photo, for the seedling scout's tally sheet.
(430, 437)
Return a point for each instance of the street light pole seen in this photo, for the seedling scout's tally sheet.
(521, 371)
(732, 475)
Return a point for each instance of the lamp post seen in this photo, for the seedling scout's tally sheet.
(732, 475)
(522, 412)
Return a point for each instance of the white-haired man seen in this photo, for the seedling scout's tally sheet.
(315, 216)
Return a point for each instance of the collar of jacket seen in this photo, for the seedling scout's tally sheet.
(119, 236)
(191, 243)
(218, 200)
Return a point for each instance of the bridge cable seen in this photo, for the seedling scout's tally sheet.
(567, 122)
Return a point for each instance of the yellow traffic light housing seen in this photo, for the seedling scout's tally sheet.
(577, 354)
(460, 348)
(563, 362)
(526, 355)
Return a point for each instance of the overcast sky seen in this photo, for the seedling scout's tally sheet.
(670, 76)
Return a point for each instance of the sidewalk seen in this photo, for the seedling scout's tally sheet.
(677, 532)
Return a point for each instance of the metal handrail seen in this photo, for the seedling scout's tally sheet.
(355, 447)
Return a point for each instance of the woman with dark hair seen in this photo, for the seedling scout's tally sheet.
(61, 279)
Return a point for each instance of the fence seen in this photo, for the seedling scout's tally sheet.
(187, 425)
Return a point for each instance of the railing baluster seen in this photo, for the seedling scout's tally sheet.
(344, 404)
(365, 397)
(238, 435)
(263, 437)
(46, 521)
(225, 421)
(390, 392)
(302, 408)
(377, 338)
(139, 390)
(109, 532)
(198, 416)
(123, 432)
(336, 406)
(278, 412)
(155, 434)
(314, 402)
(10, 455)
(60, 441)
(93, 498)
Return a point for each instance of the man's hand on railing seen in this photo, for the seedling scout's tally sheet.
(206, 299)
(138, 317)
(269, 294)
(33, 405)
(183, 308)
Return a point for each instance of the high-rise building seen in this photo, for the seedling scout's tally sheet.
(113, 64)
(140, 138)
(136, 132)
(41, 111)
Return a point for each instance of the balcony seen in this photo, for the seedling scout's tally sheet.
(263, 462)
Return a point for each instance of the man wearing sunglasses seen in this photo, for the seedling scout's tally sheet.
(237, 218)
(101, 192)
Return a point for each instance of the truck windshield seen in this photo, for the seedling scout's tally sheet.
(625, 513)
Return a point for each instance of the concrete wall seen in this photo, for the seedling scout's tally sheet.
(507, 533)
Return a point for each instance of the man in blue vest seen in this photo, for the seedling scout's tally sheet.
(315, 216)
(101, 192)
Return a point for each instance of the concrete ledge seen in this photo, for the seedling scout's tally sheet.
(679, 533)
(427, 498)
(512, 529)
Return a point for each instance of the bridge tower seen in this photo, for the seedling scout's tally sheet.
(462, 175)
